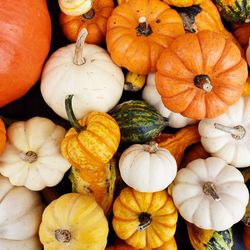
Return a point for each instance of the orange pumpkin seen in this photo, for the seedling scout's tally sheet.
(246, 87)
(200, 75)
(121, 245)
(95, 21)
(246, 237)
(2, 136)
(242, 34)
(138, 31)
(25, 33)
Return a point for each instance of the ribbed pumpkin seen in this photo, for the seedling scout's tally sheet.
(75, 7)
(92, 141)
(234, 11)
(169, 245)
(2, 136)
(197, 83)
(95, 21)
(73, 222)
(183, 3)
(144, 219)
(24, 46)
(138, 31)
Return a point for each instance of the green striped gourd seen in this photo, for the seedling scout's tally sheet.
(138, 121)
(234, 11)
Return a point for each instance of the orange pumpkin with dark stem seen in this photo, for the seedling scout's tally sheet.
(2, 136)
(138, 31)
(197, 83)
(25, 33)
(95, 21)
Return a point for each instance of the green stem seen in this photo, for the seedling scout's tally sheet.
(71, 116)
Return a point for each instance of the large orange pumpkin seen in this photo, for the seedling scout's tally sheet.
(138, 31)
(25, 34)
(95, 21)
(200, 75)
(2, 136)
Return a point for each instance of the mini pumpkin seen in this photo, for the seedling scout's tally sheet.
(138, 31)
(169, 245)
(74, 222)
(152, 97)
(75, 7)
(210, 194)
(85, 71)
(242, 34)
(92, 141)
(227, 136)
(197, 83)
(144, 219)
(95, 21)
(147, 167)
(21, 214)
(32, 155)
(183, 3)
(2, 136)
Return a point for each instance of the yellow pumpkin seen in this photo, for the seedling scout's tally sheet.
(91, 142)
(246, 87)
(75, 7)
(144, 219)
(169, 245)
(70, 222)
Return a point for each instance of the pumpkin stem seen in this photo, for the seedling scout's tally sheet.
(78, 57)
(71, 116)
(209, 189)
(203, 82)
(145, 220)
(152, 147)
(89, 15)
(188, 15)
(63, 235)
(29, 156)
(237, 132)
(143, 28)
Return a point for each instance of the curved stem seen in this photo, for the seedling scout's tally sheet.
(71, 116)
(78, 57)
(63, 235)
(29, 156)
(209, 189)
(152, 147)
(145, 220)
(237, 132)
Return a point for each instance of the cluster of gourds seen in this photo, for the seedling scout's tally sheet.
(124, 168)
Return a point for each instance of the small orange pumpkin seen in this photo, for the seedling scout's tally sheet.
(242, 33)
(2, 136)
(203, 81)
(138, 31)
(95, 21)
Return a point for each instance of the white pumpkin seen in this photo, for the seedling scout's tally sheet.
(75, 7)
(228, 136)
(210, 194)
(20, 217)
(147, 168)
(152, 97)
(85, 71)
(32, 156)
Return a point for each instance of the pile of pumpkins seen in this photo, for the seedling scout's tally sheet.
(181, 149)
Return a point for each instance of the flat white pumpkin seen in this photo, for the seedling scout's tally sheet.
(152, 97)
(85, 71)
(210, 194)
(20, 217)
(75, 7)
(147, 168)
(32, 156)
(228, 136)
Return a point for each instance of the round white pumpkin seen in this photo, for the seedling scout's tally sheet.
(20, 217)
(75, 7)
(228, 136)
(32, 156)
(210, 194)
(85, 71)
(152, 97)
(147, 168)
